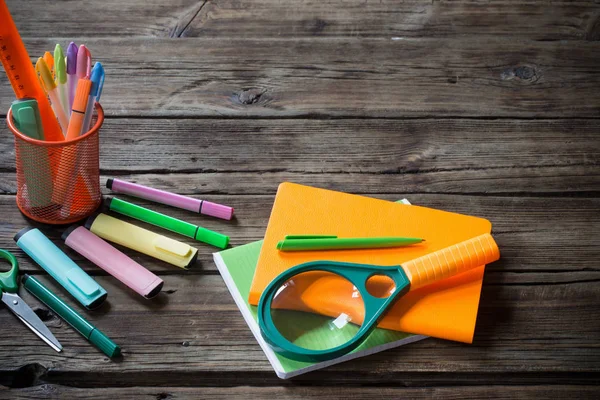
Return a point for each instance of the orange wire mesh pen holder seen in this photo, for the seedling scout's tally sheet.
(58, 182)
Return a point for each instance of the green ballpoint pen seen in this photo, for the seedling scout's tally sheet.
(87, 330)
(328, 242)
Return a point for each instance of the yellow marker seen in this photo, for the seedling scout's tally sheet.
(47, 82)
(142, 240)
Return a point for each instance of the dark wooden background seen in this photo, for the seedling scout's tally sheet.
(490, 108)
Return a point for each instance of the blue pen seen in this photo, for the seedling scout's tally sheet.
(97, 78)
(101, 85)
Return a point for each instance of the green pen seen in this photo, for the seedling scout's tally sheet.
(87, 330)
(164, 221)
(329, 242)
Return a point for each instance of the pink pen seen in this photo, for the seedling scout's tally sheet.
(171, 199)
(84, 62)
(113, 261)
(71, 72)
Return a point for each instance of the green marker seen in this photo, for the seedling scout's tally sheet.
(89, 331)
(164, 221)
(60, 71)
(327, 242)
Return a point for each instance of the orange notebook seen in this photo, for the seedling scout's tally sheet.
(446, 309)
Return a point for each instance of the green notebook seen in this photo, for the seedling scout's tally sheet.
(237, 267)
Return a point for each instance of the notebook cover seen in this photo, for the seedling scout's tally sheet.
(237, 266)
(446, 309)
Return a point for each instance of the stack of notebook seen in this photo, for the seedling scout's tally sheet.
(447, 309)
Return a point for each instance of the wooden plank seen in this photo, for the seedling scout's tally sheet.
(550, 240)
(307, 392)
(573, 180)
(537, 20)
(438, 77)
(429, 155)
(196, 329)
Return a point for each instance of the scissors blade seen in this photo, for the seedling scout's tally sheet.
(29, 318)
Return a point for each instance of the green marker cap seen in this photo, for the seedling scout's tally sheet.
(211, 237)
(103, 342)
(60, 65)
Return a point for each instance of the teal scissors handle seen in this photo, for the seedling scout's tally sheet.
(8, 279)
(358, 274)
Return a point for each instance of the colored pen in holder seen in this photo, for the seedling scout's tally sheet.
(142, 240)
(75, 190)
(113, 261)
(78, 283)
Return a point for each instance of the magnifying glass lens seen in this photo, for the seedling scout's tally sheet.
(317, 310)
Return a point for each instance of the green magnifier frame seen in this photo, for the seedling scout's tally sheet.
(357, 274)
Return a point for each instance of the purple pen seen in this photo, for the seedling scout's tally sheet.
(72, 72)
(170, 199)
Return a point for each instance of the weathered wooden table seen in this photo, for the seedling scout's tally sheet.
(485, 108)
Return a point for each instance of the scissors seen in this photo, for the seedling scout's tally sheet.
(8, 292)
(318, 287)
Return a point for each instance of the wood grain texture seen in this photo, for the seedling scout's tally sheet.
(542, 240)
(429, 155)
(521, 328)
(489, 108)
(539, 20)
(437, 77)
(164, 393)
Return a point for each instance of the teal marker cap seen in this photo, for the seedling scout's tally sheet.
(26, 115)
(104, 344)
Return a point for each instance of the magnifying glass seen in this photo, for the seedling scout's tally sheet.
(321, 310)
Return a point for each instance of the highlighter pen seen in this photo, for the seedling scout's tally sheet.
(84, 62)
(50, 87)
(60, 76)
(72, 72)
(60, 308)
(168, 250)
(35, 164)
(113, 261)
(170, 199)
(81, 286)
(96, 76)
(164, 221)
(49, 60)
(78, 111)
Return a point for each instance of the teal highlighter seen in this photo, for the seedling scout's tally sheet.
(78, 283)
(35, 161)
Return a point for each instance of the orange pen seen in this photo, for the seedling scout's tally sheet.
(82, 94)
(21, 74)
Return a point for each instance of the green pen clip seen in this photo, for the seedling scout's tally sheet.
(332, 242)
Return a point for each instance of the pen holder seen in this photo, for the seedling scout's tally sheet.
(58, 182)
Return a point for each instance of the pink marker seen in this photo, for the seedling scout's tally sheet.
(170, 199)
(84, 62)
(113, 261)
